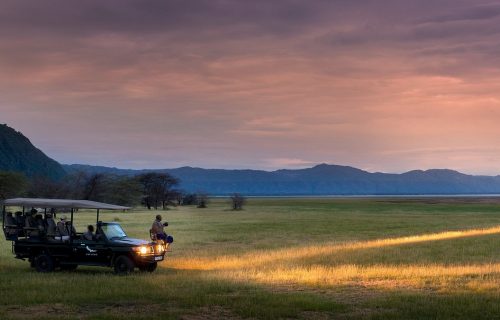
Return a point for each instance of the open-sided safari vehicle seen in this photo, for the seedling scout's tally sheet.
(111, 247)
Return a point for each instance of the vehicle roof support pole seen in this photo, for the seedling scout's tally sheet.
(71, 227)
(3, 217)
(97, 221)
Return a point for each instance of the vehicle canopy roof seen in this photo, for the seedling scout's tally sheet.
(61, 203)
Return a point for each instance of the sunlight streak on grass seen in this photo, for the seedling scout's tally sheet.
(271, 257)
(385, 276)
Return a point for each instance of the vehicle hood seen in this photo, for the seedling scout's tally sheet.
(130, 242)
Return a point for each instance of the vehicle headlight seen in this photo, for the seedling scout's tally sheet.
(143, 250)
(160, 248)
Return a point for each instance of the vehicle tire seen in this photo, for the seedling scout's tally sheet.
(44, 263)
(123, 265)
(69, 267)
(149, 267)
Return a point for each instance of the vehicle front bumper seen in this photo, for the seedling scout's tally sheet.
(146, 259)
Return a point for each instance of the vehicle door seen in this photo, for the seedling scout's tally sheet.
(90, 251)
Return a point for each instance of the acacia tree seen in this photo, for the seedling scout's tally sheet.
(201, 199)
(157, 188)
(12, 184)
(237, 201)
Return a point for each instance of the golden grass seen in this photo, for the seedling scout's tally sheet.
(383, 276)
(289, 267)
(258, 258)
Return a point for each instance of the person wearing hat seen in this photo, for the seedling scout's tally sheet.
(62, 232)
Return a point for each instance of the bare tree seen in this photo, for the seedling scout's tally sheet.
(237, 201)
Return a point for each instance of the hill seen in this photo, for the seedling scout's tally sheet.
(319, 180)
(17, 153)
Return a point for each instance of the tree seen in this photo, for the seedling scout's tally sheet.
(12, 184)
(156, 188)
(201, 199)
(95, 187)
(237, 201)
(176, 196)
(125, 191)
(189, 199)
(75, 184)
(44, 187)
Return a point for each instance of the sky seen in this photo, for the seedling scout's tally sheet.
(383, 85)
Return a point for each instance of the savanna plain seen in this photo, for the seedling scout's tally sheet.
(285, 259)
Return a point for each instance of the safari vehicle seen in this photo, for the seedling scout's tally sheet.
(111, 248)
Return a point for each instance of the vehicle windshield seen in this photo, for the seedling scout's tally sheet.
(113, 231)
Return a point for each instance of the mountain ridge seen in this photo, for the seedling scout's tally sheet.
(322, 179)
(17, 153)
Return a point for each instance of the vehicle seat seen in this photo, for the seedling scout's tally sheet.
(11, 232)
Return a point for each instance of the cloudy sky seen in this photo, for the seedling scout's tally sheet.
(381, 85)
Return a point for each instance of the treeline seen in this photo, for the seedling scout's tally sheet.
(153, 190)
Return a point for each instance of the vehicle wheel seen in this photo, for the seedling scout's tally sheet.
(69, 267)
(123, 265)
(149, 267)
(44, 263)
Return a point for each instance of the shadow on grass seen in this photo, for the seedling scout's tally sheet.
(169, 293)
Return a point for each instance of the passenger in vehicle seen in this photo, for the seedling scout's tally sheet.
(9, 220)
(29, 221)
(50, 225)
(99, 233)
(71, 228)
(19, 219)
(89, 235)
(62, 232)
(40, 224)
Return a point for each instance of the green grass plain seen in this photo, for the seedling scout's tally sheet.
(286, 258)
